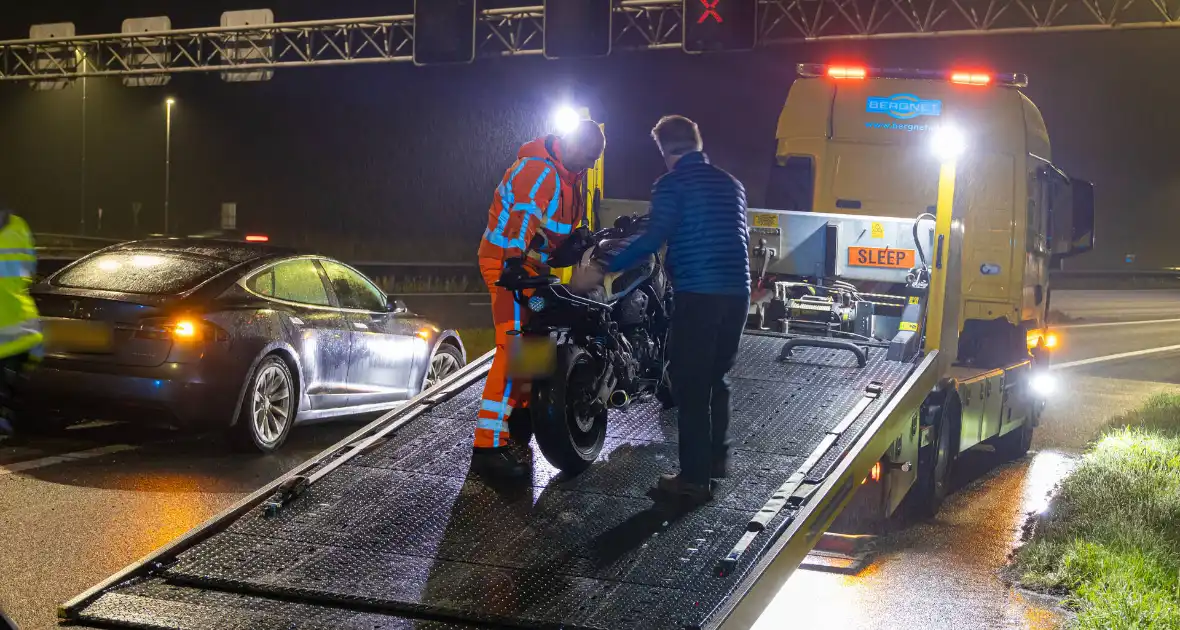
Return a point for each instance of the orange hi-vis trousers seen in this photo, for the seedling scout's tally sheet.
(501, 393)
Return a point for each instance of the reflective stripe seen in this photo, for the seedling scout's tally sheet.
(16, 269)
(507, 198)
(552, 224)
(495, 425)
(494, 406)
(30, 327)
(558, 227)
(507, 406)
(28, 343)
(18, 251)
(509, 205)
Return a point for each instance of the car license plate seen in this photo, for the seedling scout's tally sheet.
(77, 336)
(531, 356)
(764, 220)
(881, 257)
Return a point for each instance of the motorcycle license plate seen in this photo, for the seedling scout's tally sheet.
(531, 357)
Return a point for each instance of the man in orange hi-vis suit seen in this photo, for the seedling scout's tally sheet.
(535, 209)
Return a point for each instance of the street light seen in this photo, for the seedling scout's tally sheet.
(168, 104)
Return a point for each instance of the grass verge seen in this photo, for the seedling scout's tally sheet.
(1111, 541)
(477, 341)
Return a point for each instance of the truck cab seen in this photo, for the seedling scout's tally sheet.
(855, 141)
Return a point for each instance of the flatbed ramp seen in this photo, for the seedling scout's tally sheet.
(400, 537)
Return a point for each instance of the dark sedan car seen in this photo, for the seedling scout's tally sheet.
(219, 334)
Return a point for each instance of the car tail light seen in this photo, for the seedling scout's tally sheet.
(180, 329)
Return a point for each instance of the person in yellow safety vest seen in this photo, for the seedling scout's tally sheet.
(20, 329)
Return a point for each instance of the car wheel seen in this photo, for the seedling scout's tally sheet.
(446, 361)
(268, 408)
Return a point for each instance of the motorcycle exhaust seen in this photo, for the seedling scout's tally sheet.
(619, 398)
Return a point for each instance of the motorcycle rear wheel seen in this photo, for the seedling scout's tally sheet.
(568, 436)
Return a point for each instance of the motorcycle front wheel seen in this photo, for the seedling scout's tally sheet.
(568, 433)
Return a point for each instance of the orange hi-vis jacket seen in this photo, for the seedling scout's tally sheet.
(536, 204)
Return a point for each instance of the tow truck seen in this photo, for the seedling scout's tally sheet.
(900, 320)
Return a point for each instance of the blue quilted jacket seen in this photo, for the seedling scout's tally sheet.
(699, 210)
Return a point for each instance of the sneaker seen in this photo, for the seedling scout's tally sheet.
(681, 489)
(498, 463)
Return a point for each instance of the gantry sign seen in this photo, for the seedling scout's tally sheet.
(250, 45)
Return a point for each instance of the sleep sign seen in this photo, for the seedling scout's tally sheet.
(885, 257)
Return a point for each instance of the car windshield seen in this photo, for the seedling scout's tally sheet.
(153, 272)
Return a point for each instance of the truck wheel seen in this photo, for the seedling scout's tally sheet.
(1015, 444)
(569, 435)
(268, 408)
(935, 462)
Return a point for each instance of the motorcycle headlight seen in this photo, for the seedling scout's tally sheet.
(536, 304)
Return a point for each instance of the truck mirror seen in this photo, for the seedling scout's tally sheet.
(1082, 232)
(1060, 232)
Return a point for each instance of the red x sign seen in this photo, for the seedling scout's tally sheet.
(710, 11)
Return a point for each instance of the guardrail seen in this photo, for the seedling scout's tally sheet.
(56, 250)
(1114, 279)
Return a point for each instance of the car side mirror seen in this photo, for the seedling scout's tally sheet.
(396, 306)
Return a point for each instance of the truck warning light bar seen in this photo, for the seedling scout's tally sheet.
(813, 70)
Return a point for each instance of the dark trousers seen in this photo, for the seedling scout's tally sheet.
(706, 331)
(11, 369)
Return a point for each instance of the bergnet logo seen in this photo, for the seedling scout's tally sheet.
(900, 126)
(903, 106)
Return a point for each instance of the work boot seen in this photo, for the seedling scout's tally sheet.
(497, 463)
(688, 492)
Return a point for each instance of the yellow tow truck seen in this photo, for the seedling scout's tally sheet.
(899, 320)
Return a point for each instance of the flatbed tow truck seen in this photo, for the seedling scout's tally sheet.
(832, 429)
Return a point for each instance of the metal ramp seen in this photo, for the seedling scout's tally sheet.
(400, 537)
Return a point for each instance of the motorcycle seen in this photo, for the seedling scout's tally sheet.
(607, 349)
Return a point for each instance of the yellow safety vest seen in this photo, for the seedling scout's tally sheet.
(20, 329)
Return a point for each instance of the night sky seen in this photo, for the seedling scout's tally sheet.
(394, 162)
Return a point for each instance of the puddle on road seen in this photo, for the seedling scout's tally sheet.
(941, 574)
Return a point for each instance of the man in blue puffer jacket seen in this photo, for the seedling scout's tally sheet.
(699, 210)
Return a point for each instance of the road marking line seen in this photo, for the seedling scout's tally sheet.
(1138, 323)
(32, 464)
(1113, 357)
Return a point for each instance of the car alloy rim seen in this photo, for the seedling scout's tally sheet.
(441, 366)
(272, 395)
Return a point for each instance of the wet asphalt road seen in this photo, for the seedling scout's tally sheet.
(946, 573)
(75, 509)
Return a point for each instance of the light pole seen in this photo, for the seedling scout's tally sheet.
(81, 57)
(167, 158)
